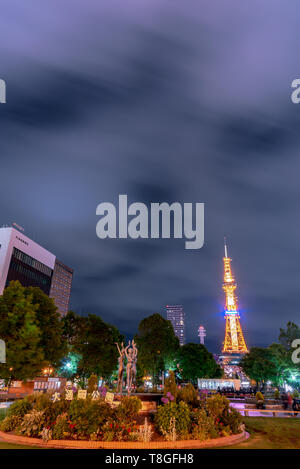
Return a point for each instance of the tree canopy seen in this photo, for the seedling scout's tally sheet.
(157, 345)
(22, 333)
(50, 324)
(289, 334)
(93, 343)
(259, 365)
(195, 361)
(274, 363)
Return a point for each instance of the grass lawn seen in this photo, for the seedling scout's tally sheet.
(271, 433)
(4, 445)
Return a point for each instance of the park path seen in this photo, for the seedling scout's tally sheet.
(240, 406)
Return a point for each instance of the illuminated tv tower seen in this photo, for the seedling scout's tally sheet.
(234, 340)
(201, 334)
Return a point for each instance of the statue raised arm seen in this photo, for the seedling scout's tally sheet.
(121, 366)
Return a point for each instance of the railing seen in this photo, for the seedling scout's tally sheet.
(245, 412)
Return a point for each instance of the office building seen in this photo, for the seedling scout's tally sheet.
(175, 314)
(61, 286)
(24, 260)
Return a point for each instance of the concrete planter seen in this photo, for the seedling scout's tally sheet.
(74, 444)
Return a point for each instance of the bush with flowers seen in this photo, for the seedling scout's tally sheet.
(170, 385)
(83, 419)
(128, 409)
(115, 430)
(203, 426)
(189, 395)
(184, 416)
(209, 417)
(180, 412)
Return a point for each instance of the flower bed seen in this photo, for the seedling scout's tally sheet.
(185, 417)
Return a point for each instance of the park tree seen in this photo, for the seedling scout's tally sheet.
(288, 335)
(195, 361)
(281, 358)
(20, 330)
(69, 366)
(50, 324)
(157, 345)
(259, 364)
(93, 340)
(73, 327)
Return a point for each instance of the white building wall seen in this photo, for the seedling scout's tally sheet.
(10, 238)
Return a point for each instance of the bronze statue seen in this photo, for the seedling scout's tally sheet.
(133, 366)
(121, 366)
(131, 356)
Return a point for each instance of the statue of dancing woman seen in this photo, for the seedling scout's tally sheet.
(121, 366)
(133, 367)
(129, 355)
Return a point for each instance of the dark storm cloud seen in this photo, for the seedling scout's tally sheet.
(243, 134)
(61, 99)
(112, 274)
(162, 102)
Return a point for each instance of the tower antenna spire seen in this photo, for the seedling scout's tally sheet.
(225, 246)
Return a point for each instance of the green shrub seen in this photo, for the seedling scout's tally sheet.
(216, 405)
(39, 400)
(276, 394)
(203, 425)
(170, 385)
(189, 395)
(259, 396)
(140, 389)
(92, 384)
(19, 408)
(61, 429)
(128, 409)
(232, 419)
(3, 413)
(10, 423)
(180, 412)
(114, 431)
(54, 409)
(32, 423)
(171, 433)
(46, 434)
(88, 416)
(295, 394)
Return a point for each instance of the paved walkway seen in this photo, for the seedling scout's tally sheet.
(261, 413)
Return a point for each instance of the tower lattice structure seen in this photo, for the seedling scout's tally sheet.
(234, 339)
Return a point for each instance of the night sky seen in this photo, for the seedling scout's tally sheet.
(164, 101)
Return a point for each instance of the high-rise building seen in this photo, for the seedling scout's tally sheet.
(61, 286)
(24, 260)
(176, 315)
(234, 342)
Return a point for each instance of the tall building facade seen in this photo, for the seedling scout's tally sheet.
(234, 342)
(61, 286)
(24, 260)
(175, 314)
